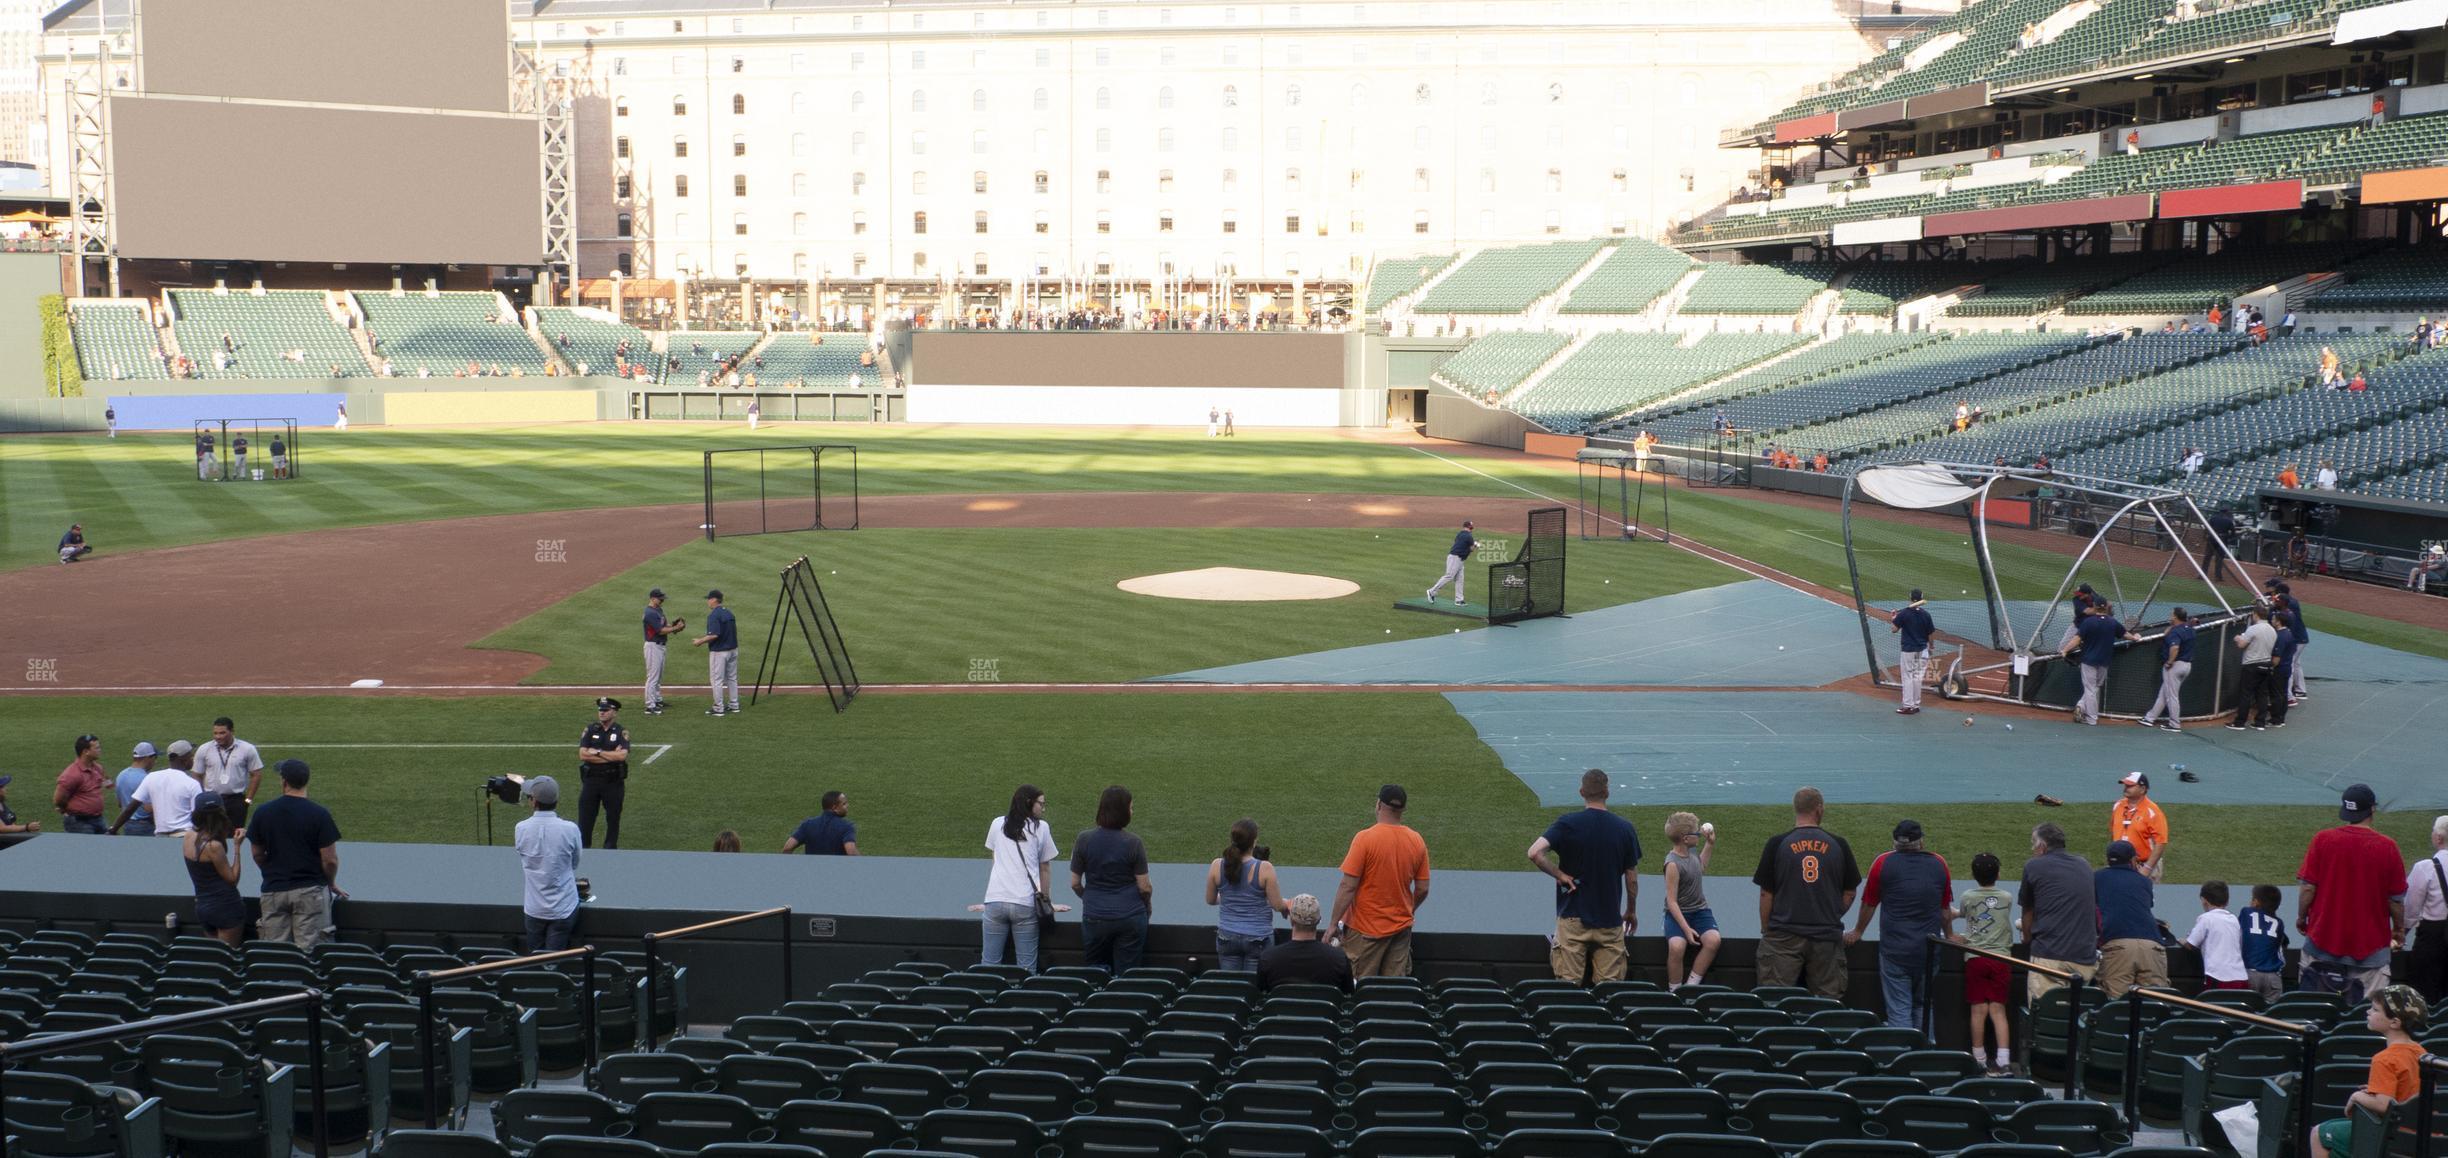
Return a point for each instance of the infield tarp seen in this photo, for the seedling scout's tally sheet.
(1748, 634)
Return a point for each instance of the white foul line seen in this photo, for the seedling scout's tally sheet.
(1683, 547)
(659, 749)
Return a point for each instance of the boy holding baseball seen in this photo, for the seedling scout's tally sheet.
(1689, 923)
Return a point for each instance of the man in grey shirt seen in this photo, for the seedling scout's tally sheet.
(2260, 688)
(2060, 914)
(548, 856)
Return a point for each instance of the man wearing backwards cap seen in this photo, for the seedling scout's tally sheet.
(2131, 955)
(603, 774)
(2351, 906)
(2135, 818)
(134, 819)
(1913, 624)
(658, 634)
(721, 641)
(169, 794)
(548, 857)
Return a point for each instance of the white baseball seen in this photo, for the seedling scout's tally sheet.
(1708, 830)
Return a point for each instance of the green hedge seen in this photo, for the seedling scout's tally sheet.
(62, 378)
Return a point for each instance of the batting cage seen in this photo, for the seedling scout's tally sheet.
(766, 490)
(246, 449)
(1531, 586)
(800, 610)
(2002, 597)
(1620, 500)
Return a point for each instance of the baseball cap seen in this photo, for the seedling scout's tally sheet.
(206, 799)
(1916, 595)
(5, 781)
(1392, 795)
(1906, 830)
(544, 791)
(656, 593)
(607, 704)
(293, 772)
(2086, 589)
(2135, 778)
(181, 748)
(1468, 525)
(1304, 912)
(714, 594)
(2358, 803)
(2120, 852)
(144, 748)
(2403, 1003)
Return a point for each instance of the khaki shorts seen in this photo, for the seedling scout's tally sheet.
(1387, 956)
(1582, 950)
(1819, 963)
(2132, 963)
(2042, 983)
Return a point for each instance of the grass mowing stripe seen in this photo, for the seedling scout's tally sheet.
(919, 606)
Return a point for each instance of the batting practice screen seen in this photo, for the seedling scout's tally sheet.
(765, 490)
(1531, 586)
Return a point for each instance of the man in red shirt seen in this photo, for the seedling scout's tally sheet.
(79, 794)
(2351, 906)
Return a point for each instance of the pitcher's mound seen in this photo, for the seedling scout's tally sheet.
(1238, 585)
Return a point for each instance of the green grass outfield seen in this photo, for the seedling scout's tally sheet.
(1040, 605)
(924, 772)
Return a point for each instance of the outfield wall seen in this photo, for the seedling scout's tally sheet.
(25, 279)
(1141, 379)
(174, 404)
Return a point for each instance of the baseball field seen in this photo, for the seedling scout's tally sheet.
(492, 579)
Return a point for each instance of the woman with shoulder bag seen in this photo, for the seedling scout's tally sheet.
(2426, 914)
(1017, 905)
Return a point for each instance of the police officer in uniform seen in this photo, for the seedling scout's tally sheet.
(603, 774)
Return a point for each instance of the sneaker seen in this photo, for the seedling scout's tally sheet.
(2260, 727)
(1904, 711)
(714, 711)
(2148, 723)
(2279, 724)
(2171, 728)
(2235, 727)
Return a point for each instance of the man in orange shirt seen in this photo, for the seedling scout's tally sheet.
(2288, 478)
(2134, 818)
(1385, 881)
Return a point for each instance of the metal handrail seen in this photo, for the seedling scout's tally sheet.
(311, 999)
(2134, 997)
(2074, 981)
(646, 1027)
(430, 1020)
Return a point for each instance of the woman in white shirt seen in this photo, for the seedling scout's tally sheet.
(1022, 848)
(2426, 913)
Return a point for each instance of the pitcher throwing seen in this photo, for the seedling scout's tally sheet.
(1463, 544)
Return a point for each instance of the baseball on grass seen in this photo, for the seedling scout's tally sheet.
(1780, 647)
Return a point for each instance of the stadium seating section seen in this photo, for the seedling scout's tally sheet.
(589, 340)
(115, 340)
(702, 351)
(447, 333)
(2407, 143)
(1630, 280)
(1753, 289)
(1877, 401)
(1500, 361)
(1507, 281)
(2039, 288)
(1397, 276)
(1818, 362)
(1878, 287)
(992, 1061)
(1612, 373)
(825, 360)
(2412, 281)
(2195, 284)
(277, 334)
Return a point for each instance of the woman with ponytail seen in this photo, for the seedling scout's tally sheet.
(1241, 884)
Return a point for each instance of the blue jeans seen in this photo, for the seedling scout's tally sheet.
(544, 936)
(1115, 944)
(1019, 923)
(89, 825)
(1234, 951)
(142, 827)
(1896, 980)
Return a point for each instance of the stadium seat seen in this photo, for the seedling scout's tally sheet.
(1941, 1124)
(2078, 1127)
(213, 1094)
(55, 1114)
(2230, 1075)
(439, 1144)
(1119, 1137)
(981, 1133)
(1876, 1090)
(356, 1076)
(767, 1083)
(522, 1118)
(1306, 1106)
(690, 1122)
(626, 1077)
(1650, 1115)
(577, 1146)
(1394, 277)
(836, 1129)
(1086, 1071)
(1414, 1142)
(502, 1044)
(1791, 1119)
(1708, 1146)
(756, 1150)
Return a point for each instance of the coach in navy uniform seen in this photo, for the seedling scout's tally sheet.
(1464, 543)
(1914, 626)
(658, 633)
(603, 774)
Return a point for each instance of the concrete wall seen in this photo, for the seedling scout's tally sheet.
(1462, 420)
(24, 279)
